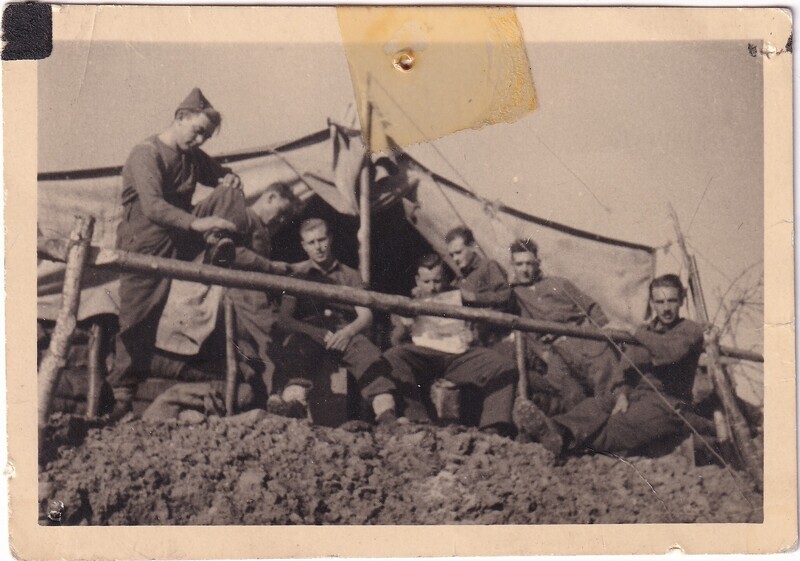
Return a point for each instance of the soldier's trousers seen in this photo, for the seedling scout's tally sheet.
(493, 375)
(648, 419)
(142, 297)
(304, 356)
(582, 368)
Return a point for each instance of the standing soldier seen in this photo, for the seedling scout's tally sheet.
(648, 410)
(159, 180)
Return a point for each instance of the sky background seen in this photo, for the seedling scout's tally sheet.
(622, 130)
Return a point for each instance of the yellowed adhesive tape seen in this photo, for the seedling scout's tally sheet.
(422, 73)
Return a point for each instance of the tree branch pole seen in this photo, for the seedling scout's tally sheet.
(522, 367)
(722, 384)
(365, 222)
(698, 299)
(76, 251)
(96, 367)
(231, 365)
(741, 430)
(159, 266)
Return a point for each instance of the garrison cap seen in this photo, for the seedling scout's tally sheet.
(195, 101)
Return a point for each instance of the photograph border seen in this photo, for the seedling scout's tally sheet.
(157, 23)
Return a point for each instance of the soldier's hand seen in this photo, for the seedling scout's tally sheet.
(619, 326)
(208, 223)
(711, 333)
(231, 180)
(467, 296)
(339, 340)
(621, 406)
(281, 268)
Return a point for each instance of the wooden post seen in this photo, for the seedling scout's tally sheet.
(56, 356)
(118, 260)
(698, 299)
(231, 370)
(741, 431)
(522, 367)
(96, 369)
(364, 205)
(701, 314)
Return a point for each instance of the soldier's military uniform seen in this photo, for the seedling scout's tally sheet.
(488, 281)
(668, 360)
(577, 368)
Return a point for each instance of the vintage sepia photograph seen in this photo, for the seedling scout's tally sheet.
(429, 269)
(553, 320)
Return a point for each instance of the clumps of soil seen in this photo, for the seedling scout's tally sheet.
(260, 469)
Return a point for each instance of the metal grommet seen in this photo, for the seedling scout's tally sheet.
(404, 60)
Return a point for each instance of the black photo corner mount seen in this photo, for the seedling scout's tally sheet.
(27, 31)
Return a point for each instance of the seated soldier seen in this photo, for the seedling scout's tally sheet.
(440, 349)
(429, 280)
(576, 368)
(317, 330)
(483, 282)
(662, 371)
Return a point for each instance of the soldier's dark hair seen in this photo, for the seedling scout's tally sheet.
(213, 115)
(525, 245)
(284, 191)
(429, 261)
(668, 281)
(460, 232)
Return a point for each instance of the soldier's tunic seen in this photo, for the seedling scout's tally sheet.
(305, 352)
(489, 282)
(669, 361)
(441, 349)
(158, 185)
(577, 368)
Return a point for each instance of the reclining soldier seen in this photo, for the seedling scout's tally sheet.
(661, 375)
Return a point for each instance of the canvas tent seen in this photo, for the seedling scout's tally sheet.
(324, 167)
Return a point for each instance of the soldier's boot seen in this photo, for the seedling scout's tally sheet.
(293, 402)
(534, 423)
(220, 250)
(385, 409)
(123, 403)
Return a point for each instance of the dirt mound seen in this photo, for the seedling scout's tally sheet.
(260, 469)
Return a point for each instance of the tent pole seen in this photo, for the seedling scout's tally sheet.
(365, 224)
(698, 300)
(522, 368)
